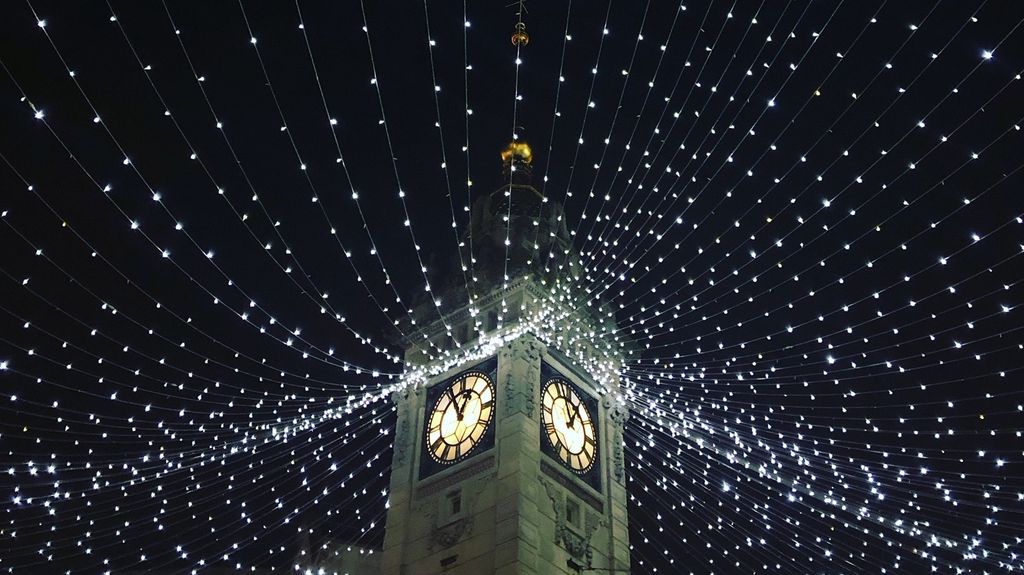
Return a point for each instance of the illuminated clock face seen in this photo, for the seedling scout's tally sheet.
(569, 426)
(460, 417)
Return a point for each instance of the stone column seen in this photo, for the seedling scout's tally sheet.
(409, 405)
(618, 528)
(516, 513)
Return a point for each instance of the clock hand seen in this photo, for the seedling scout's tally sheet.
(565, 410)
(455, 401)
(466, 396)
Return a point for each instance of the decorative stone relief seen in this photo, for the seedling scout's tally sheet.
(445, 534)
(577, 544)
(405, 403)
(521, 359)
(617, 415)
(555, 495)
(450, 534)
(619, 460)
(401, 440)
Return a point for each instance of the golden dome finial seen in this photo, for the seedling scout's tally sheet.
(517, 159)
(517, 152)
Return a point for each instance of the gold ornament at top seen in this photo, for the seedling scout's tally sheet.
(520, 37)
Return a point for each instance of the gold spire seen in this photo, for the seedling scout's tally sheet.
(517, 157)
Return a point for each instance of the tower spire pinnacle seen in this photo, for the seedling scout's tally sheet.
(517, 157)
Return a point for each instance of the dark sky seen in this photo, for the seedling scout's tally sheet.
(802, 277)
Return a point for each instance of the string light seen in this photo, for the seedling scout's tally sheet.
(803, 285)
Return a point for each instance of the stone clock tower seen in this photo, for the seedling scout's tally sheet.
(508, 450)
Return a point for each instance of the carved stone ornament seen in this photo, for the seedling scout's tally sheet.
(447, 534)
(401, 439)
(519, 380)
(616, 411)
(617, 415)
(618, 459)
(450, 534)
(577, 544)
(404, 402)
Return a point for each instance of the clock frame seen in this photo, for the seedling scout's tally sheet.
(446, 437)
(569, 426)
(573, 442)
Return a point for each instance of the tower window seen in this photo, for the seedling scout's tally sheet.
(455, 503)
(572, 512)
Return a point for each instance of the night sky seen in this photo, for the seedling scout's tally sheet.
(806, 217)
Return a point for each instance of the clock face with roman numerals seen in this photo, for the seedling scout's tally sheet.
(569, 426)
(460, 417)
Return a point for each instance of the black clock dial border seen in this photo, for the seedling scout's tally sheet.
(428, 465)
(592, 475)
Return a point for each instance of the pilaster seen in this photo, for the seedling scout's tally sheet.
(516, 517)
(617, 497)
(409, 405)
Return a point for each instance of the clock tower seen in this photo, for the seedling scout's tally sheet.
(508, 447)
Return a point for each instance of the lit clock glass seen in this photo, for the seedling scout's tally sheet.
(569, 426)
(460, 417)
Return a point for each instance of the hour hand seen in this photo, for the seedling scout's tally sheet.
(568, 418)
(465, 399)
